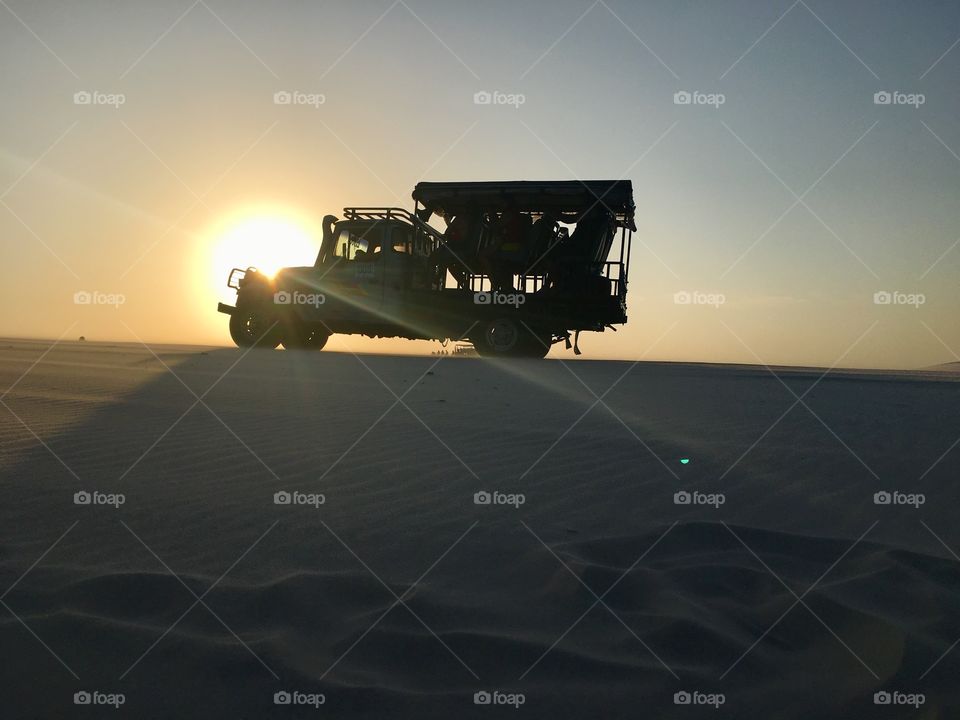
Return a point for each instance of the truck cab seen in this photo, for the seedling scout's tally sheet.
(368, 271)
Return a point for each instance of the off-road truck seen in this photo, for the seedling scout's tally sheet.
(520, 266)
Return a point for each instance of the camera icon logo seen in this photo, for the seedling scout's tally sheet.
(482, 98)
(682, 97)
(82, 698)
(882, 697)
(82, 498)
(682, 698)
(882, 297)
(282, 697)
(482, 698)
(482, 298)
(882, 498)
(682, 498)
(681, 298)
(282, 497)
(82, 297)
(282, 297)
(482, 498)
(282, 97)
(882, 98)
(82, 98)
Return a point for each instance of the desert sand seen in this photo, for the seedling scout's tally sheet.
(782, 589)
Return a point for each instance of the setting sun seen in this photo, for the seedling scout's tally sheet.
(267, 239)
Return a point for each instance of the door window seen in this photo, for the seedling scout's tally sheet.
(360, 244)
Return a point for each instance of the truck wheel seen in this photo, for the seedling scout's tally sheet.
(500, 338)
(505, 337)
(251, 327)
(305, 338)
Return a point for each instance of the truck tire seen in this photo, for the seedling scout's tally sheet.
(499, 338)
(505, 337)
(252, 327)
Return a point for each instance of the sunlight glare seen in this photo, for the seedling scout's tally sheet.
(264, 239)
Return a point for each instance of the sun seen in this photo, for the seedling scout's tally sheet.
(265, 238)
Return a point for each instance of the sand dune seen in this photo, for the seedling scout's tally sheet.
(598, 596)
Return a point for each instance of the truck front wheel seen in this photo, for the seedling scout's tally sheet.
(251, 327)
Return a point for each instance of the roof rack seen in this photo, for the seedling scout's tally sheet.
(391, 213)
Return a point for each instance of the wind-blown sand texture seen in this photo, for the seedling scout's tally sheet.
(798, 597)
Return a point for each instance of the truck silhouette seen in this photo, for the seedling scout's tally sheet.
(519, 267)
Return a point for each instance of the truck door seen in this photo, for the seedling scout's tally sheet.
(398, 270)
(355, 283)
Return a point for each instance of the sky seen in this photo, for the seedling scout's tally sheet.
(807, 220)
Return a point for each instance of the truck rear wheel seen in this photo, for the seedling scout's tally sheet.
(505, 337)
(251, 327)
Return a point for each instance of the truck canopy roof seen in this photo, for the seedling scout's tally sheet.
(560, 197)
